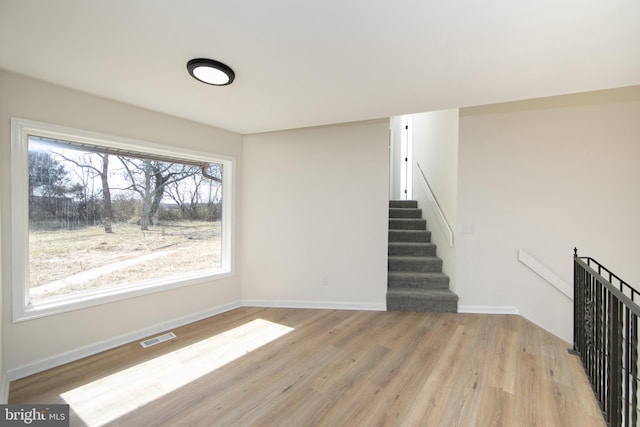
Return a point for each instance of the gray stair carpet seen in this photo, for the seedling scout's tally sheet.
(415, 281)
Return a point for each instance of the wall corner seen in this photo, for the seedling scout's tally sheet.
(4, 388)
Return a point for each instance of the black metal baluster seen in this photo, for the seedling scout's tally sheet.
(615, 357)
(627, 363)
(634, 371)
(594, 338)
(580, 316)
(592, 332)
(577, 302)
(600, 344)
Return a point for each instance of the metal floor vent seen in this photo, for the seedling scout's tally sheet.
(158, 339)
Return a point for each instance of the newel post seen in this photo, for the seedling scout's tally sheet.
(577, 298)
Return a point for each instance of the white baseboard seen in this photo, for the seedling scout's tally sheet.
(314, 304)
(79, 353)
(4, 388)
(487, 309)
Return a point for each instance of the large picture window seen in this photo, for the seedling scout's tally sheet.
(97, 218)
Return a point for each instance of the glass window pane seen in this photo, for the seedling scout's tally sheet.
(101, 221)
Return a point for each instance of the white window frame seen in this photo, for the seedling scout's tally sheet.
(20, 130)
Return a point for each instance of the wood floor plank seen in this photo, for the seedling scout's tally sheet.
(293, 367)
(498, 408)
(502, 365)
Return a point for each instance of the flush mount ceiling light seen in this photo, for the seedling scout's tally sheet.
(210, 72)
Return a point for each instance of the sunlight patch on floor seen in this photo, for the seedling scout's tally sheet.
(109, 398)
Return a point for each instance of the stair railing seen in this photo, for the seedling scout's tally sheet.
(440, 216)
(549, 276)
(605, 336)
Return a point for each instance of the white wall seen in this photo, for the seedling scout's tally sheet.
(40, 341)
(435, 151)
(547, 175)
(316, 205)
(4, 382)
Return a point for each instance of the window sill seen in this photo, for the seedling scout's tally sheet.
(91, 299)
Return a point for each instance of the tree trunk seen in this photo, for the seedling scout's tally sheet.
(158, 190)
(145, 218)
(107, 212)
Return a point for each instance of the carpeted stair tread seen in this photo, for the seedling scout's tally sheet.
(415, 263)
(417, 280)
(403, 204)
(409, 236)
(405, 213)
(441, 294)
(412, 248)
(435, 300)
(407, 224)
(413, 258)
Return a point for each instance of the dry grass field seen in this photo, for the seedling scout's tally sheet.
(63, 262)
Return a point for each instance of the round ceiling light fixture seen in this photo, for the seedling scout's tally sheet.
(210, 72)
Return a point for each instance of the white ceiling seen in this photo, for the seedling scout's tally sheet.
(303, 63)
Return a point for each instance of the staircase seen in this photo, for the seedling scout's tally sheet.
(415, 281)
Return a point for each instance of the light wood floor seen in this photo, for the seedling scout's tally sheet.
(248, 367)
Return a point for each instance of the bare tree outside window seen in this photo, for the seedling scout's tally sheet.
(99, 220)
